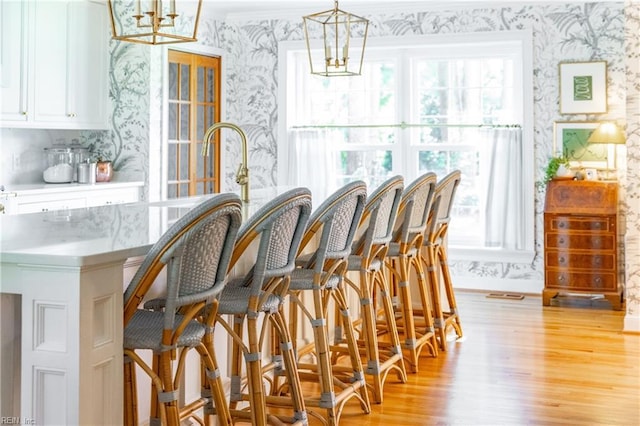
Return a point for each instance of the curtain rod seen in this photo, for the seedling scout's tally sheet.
(404, 125)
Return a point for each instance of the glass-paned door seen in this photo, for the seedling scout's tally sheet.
(194, 105)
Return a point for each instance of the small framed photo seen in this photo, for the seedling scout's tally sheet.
(583, 87)
(570, 140)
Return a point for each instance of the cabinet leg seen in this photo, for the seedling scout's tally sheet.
(615, 300)
(547, 295)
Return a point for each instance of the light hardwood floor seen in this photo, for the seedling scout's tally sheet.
(520, 363)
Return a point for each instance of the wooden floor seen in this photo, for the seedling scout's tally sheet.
(520, 363)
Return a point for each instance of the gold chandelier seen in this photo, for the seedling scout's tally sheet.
(335, 54)
(154, 21)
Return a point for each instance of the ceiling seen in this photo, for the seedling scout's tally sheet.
(274, 8)
(278, 7)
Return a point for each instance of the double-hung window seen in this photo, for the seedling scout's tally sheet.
(423, 104)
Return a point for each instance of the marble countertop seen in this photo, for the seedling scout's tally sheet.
(98, 235)
(50, 188)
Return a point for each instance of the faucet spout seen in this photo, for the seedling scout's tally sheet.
(242, 175)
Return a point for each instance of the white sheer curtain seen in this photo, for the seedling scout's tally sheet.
(504, 201)
(313, 161)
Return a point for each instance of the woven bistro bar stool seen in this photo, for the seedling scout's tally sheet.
(383, 352)
(320, 274)
(402, 258)
(436, 261)
(196, 251)
(269, 243)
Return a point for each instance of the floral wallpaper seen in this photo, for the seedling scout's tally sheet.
(561, 32)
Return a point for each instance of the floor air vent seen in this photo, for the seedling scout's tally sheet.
(510, 296)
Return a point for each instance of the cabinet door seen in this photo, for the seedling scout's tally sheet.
(34, 206)
(65, 45)
(14, 60)
(88, 64)
(52, 45)
(113, 196)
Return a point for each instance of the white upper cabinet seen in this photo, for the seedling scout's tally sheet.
(60, 78)
(14, 60)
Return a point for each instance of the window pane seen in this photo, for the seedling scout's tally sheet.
(211, 88)
(173, 81)
(172, 190)
(173, 159)
(200, 123)
(184, 161)
(368, 99)
(201, 84)
(184, 122)
(173, 115)
(373, 167)
(185, 77)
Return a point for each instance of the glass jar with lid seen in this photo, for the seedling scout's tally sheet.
(59, 165)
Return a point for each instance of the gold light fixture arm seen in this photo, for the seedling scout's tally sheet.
(242, 175)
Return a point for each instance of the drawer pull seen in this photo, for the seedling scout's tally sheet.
(561, 278)
(597, 242)
(562, 225)
(561, 240)
(597, 261)
(562, 260)
(597, 225)
(597, 280)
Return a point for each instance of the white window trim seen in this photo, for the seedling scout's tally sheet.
(525, 38)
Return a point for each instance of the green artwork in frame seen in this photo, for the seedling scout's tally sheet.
(570, 140)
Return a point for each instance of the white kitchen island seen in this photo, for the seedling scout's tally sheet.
(61, 281)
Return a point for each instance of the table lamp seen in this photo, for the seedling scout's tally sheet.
(608, 133)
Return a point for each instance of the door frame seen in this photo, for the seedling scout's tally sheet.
(158, 158)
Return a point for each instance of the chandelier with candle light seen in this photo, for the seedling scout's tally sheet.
(338, 52)
(154, 21)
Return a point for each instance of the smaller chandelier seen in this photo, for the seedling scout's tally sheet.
(335, 54)
(154, 21)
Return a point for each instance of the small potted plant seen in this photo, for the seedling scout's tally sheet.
(558, 166)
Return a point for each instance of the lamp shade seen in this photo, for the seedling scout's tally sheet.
(154, 21)
(330, 42)
(607, 132)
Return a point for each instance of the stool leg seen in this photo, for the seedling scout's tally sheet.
(454, 319)
(130, 393)
(408, 323)
(290, 364)
(396, 359)
(340, 298)
(426, 312)
(434, 285)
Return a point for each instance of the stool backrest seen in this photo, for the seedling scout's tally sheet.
(278, 226)
(337, 218)
(414, 209)
(379, 216)
(442, 205)
(197, 251)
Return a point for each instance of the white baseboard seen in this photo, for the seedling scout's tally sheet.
(632, 323)
(502, 285)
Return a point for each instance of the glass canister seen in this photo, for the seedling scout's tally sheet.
(59, 165)
(80, 156)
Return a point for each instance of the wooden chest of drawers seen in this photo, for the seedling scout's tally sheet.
(580, 240)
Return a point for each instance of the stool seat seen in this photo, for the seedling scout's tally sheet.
(235, 299)
(303, 279)
(144, 331)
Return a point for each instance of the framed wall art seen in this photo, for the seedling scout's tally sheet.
(583, 87)
(570, 140)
